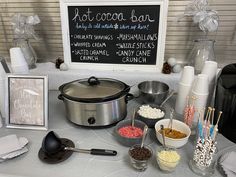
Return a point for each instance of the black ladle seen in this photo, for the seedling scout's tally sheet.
(52, 145)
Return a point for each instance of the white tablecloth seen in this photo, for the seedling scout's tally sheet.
(86, 165)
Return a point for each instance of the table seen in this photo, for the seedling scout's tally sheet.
(86, 165)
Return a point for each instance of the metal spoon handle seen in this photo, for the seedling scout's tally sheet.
(171, 117)
(167, 98)
(144, 134)
(133, 117)
(77, 150)
(106, 152)
(163, 135)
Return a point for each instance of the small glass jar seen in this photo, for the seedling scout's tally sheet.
(167, 159)
(28, 51)
(203, 50)
(137, 161)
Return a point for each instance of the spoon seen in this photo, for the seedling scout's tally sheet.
(132, 120)
(52, 145)
(171, 118)
(167, 98)
(163, 136)
(144, 135)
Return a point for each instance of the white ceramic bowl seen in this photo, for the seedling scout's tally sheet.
(177, 125)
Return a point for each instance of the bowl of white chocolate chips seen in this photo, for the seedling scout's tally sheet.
(167, 159)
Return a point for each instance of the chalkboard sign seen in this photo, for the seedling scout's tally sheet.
(112, 34)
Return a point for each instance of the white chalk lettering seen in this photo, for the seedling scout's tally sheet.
(125, 52)
(134, 60)
(141, 18)
(143, 53)
(98, 44)
(125, 45)
(84, 17)
(110, 17)
(89, 58)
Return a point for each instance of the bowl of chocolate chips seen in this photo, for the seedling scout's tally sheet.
(139, 156)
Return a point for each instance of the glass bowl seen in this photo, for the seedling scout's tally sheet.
(139, 157)
(167, 159)
(128, 141)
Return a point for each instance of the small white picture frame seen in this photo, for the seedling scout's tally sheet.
(27, 102)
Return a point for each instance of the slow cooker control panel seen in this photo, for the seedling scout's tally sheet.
(91, 120)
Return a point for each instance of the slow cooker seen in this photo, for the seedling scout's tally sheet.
(95, 101)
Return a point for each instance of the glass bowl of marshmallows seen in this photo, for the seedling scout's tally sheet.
(150, 114)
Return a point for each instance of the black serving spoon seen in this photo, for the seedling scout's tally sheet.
(52, 145)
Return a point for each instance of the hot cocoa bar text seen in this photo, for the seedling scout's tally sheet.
(114, 34)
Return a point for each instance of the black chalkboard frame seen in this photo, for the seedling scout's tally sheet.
(64, 4)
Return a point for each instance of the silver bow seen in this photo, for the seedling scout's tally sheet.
(207, 19)
(23, 26)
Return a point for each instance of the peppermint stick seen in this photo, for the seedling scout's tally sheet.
(205, 122)
(216, 126)
(212, 126)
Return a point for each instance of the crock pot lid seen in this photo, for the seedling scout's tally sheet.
(84, 90)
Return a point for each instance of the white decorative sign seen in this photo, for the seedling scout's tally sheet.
(27, 102)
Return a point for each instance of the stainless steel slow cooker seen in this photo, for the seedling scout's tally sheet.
(95, 101)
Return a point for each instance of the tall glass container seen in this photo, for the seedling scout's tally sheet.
(28, 51)
(203, 50)
(203, 161)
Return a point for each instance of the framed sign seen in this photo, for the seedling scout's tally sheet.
(27, 102)
(114, 35)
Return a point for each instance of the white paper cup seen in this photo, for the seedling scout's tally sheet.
(20, 69)
(187, 76)
(201, 84)
(210, 69)
(181, 100)
(17, 57)
(200, 102)
(211, 96)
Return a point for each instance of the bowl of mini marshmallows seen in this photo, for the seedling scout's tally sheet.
(150, 114)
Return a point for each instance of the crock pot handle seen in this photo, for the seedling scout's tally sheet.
(129, 97)
(93, 81)
(60, 97)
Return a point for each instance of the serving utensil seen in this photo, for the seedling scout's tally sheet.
(52, 145)
(144, 135)
(163, 137)
(132, 120)
(167, 98)
(171, 119)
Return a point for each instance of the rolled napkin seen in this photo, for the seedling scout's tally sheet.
(227, 161)
(11, 146)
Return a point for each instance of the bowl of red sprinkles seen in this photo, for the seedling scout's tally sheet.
(128, 135)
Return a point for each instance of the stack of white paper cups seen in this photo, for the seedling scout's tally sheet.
(184, 88)
(200, 91)
(18, 62)
(210, 69)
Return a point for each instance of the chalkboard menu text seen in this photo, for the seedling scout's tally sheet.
(113, 34)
